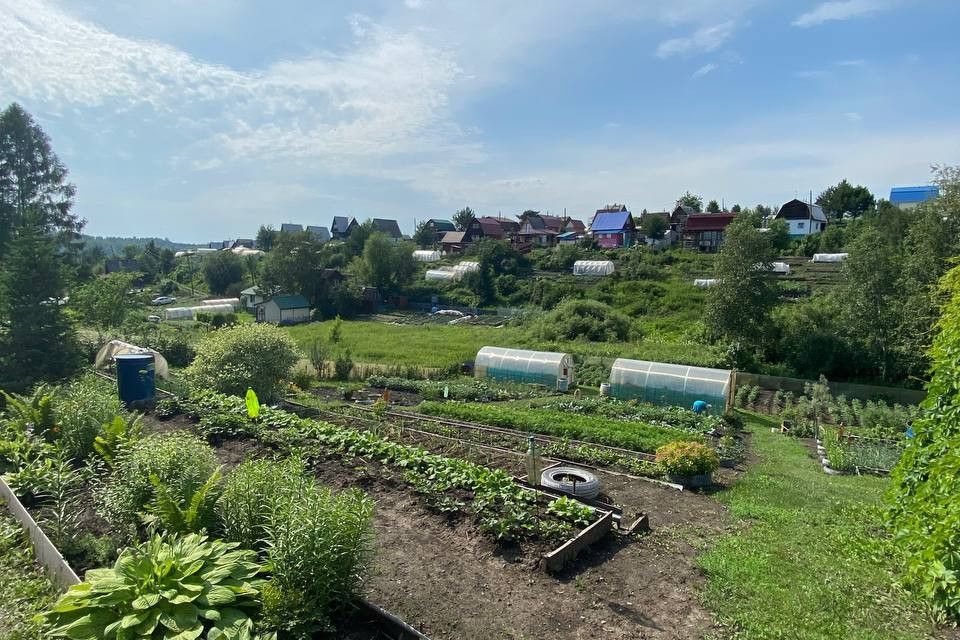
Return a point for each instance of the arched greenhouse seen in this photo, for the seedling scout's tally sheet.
(670, 384)
(593, 267)
(189, 313)
(519, 365)
(423, 255)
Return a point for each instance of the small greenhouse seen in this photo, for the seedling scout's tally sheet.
(441, 274)
(189, 313)
(670, 384)
(118, 347)
(466, 266)
(234, 302)
(781, 267)
(829, 257)
(520, 365)
(593, 267)
(704, 282)
(426, 256)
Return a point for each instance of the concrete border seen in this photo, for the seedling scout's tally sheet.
(45, 552)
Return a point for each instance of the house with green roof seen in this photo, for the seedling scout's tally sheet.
(284, 309)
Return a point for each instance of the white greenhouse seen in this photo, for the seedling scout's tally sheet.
(441, 274)
(829, 257)
(189, 313)
(234, 302)
(118, 347)
(670, 384)
(705, 282)
(781, 267)
(465, 266)
(593, 267)
(528, 367)
(426, 256)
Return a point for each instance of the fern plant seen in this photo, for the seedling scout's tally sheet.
(116, 434)
(33, 413)
(166, 512)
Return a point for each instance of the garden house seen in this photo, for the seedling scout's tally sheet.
(613, 227)
(528, 367)
(829, 257)
(909, 197)
(426, 256)
(802, 218)
(593, 267)
(289, 309)
(670, 384)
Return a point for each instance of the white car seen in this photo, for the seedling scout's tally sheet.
(153, 318)
(163, 300)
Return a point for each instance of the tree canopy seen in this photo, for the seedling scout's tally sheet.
(713, 207)
(463, 218)
(222, 269)
(33, 181)
(691, 200)
(844, 198)
(653, 226)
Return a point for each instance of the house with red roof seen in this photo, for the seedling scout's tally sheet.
(705, 231)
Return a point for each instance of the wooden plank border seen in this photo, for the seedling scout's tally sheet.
(46, 553)
(556, 559)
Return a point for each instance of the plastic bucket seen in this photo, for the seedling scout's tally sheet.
(135, 377)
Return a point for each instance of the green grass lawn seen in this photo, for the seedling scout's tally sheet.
(24, 589)
(436, 346)
(809, 559)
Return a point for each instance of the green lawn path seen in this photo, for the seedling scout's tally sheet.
(24, 589)
(808, 559)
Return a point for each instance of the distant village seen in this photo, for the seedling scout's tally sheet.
(611, 227)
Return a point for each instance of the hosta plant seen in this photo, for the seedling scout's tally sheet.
(166, 588)
(685, 459)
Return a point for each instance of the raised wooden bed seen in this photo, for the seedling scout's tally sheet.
(556, 559)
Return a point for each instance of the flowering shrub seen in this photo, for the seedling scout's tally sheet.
(683, 459)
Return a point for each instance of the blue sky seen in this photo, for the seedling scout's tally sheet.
(202, 120)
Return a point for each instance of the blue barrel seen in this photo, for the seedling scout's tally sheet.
(135, 373)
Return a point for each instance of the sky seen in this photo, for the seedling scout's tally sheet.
(202, 120)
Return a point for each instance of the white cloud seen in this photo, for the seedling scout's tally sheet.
(839, 10)
(859, 62)
(853, 116)
(702, 40)
(413, 4)
(386, 95)
(704, 70)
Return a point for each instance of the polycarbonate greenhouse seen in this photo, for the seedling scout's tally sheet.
(829, 257)
(780, 267)
(189, 313)
(520, 365)
(422, 255)
(441, 274)
(593, 267)
(704, 282)
(670, 384)
(234, 302)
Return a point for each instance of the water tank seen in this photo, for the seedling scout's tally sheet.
(135, 377)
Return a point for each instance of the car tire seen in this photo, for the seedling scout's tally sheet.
(587, 484)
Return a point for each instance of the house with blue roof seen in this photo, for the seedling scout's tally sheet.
(909, 197)
(613, 227)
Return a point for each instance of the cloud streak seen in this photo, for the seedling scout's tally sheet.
(704, 70)
(838, 10)
(703, 40)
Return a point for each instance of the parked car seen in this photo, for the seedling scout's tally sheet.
(163, 300)
(153, 318)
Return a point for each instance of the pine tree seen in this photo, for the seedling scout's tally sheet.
(38, 342)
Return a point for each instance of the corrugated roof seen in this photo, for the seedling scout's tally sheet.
(289, 227)
(610, 221)
(320, 233)
(341, 224)
(442, 225)
(903, 195)
(708, 221)
(291, 302)
(452, 237)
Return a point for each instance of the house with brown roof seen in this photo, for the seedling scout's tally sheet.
(705, 231)
(484, 227)
(454, 242)
(539, 230)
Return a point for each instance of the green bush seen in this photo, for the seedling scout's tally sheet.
(682, 459)
(181, 462)
(584, 320)
(317, 544)
(169, 588)
(82, 408)
(233, 359)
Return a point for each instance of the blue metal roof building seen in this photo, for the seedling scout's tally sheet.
(913, 195)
